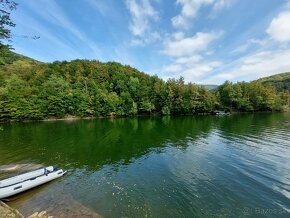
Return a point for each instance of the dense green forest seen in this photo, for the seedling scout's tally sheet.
(281, 82)
(33, 90)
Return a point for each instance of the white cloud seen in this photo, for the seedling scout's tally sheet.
(143, 16)
(198, 70)
(220, 4)
(191, 71)
(190, 8)
(187, 55)
(191, 59)
(279, 28)
(249, 43)
(270, 55)
(266, 63)
(148, 38)
(173, 68)
(255, 66)
(178, 35)
(219, 78)
(185, 47)
(142, 13)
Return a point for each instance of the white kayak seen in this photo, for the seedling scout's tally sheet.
(26, 181)
(25, 176)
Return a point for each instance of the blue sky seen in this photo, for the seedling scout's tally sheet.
(205, 41)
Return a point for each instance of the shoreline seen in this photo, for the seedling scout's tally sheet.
(75, 118)
(6, 211)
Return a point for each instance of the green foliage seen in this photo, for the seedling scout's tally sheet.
(281, 82)
(6, 6)
(250, 97)
(34, 90)
(147, 106)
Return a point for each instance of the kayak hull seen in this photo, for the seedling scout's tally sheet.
(25, 176)
(29, 184)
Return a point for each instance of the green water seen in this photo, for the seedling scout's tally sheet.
(202, 166)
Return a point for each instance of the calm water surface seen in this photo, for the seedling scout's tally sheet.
(203, 166)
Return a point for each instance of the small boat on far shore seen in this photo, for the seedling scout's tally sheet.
(221, 113)
(26, 181)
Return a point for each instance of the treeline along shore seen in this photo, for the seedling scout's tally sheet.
(32, 90)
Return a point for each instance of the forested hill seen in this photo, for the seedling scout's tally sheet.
(281, 82)
(34, 90)
(8, 57)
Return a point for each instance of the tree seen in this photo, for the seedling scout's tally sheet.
(147, 106)
(6, 6)
(55, 93)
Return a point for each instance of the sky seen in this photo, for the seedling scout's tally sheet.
(204, 41)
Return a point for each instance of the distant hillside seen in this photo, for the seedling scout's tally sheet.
(13, 63)
(281, 82)
(30, 89)
(8, 57)
(210, 87)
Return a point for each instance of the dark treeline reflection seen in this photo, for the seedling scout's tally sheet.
(95, 143)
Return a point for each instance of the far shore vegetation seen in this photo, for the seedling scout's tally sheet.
(32, 90)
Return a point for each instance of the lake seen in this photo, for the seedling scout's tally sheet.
(185, 166)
